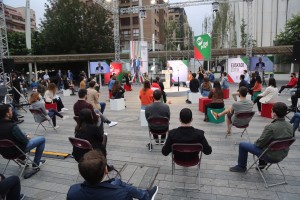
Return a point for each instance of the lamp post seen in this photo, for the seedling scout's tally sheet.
(28, 34)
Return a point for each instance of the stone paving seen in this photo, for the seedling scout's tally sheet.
(128, 153)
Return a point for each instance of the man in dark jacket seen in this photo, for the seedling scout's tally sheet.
(92, 168)
(194, 87)
(186, 134)
(11, 131)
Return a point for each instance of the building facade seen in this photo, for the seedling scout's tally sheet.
(15, 19)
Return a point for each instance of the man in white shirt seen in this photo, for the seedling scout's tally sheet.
(247, 77)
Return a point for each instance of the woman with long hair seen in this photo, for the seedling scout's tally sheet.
(205, 87)
(36, 103)
(117, 91)
(50, 97)
(216, 94)
(146, 95)
(268, 96)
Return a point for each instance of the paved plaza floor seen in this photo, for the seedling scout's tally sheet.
(127, 151)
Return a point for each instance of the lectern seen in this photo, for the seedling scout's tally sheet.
(167, 73)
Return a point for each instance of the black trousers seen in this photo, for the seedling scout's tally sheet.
(164, 96)
(283, 87)
(258, 103)
(213, 105)
(11, 188)
(59, 103)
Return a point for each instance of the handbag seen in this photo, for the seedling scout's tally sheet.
(51, 105)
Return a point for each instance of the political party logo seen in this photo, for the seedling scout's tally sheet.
(202, 47)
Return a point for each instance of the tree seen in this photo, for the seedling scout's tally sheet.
(244, 35)
(73, 27)
(291, 32)
(17, 43)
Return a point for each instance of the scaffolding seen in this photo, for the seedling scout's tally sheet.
(3, 41)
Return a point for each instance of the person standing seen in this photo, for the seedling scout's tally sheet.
(16, 88)
(200, 76)
(162, 88)
(70, 75)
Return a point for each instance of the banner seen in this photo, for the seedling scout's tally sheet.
(99, 67)
(180, 69)
(115, 68)
(236, 67)
(202, 47)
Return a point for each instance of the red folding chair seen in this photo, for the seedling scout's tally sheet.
(157, 126)
(194, 151)
(10, 151)
(40, 118)
(274, 146)
(246, 118)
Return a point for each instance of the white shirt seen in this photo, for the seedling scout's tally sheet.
(247, 78)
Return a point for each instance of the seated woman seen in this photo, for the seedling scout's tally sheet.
(68, 84)
(268, 96)
(117, 91)
(146, 95)
(128, 79)
(86, 129)
(205, 87)
(224, 81)
(37, 103)
(51, 97)
(216, 94)
(257, 87)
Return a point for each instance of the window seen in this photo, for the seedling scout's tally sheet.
(126, 33)
(125, 21)
(135, 20)
(125, 1)
(136, 32)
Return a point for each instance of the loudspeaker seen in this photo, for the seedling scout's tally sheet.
(8, 65)
(296, 52)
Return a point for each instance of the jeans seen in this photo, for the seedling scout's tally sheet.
(187, 94)
(53, 113)
(244, 148)
(11, 187)
(39, 144)
(132, 191)
(103, 105)
(295, 121)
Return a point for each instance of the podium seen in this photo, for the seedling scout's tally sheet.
(167, 73)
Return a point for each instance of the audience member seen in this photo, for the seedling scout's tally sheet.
(242, 83)
(291, 84)
(268, 96)
(205, 87)
(247, 77)
(194, 87)
(82, 84)
(243, 105)
(93, 97)
(252, 83)
(186, 134)
(10, 188)
(34, 84)
(201, 74)
(92, 168)
(162, 88)
(257, 86)
(155, 85)
(278, 129)
(117, 91)
(224, 81)
(111, 82)
(146, 95)
(158, 110)
(51, 97)
(295, 121)
(216, 94)
(11, 131)
(211, 76)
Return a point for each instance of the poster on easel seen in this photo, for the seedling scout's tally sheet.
(236, 67)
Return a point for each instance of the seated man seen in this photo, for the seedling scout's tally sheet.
(194, 87)
(92, 168)
(81, 104)
(241, 84)
(10, 188)
(186, 134)
(243, 105)
(93, 97)
(278, 129)
(158, 109)
(11, 131)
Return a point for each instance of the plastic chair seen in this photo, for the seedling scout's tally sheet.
(274, 146)
(187, 149)
(80, 143)
(246, 117)
(10, 151)
(40, 118)
(157, 126)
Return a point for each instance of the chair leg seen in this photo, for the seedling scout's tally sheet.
(37, 128)
(150, 143)
(5, 166)
(52, 126)
(43, 127)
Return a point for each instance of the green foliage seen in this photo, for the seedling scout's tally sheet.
(17, 43)
(244, 35)
(220, 26)
(291, 32)
(73, 27)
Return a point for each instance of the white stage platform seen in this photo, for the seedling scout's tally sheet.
(173, 91)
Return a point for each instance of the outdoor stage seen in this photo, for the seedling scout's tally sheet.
(173, 91)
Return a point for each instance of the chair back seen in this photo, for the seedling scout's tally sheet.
(187, 148)
(38, 115)
(9, 150)
(80, 143)
(158, 125)
(51, 105)
(189, 154)
(245, 117)
(76, 119)
(281, 144)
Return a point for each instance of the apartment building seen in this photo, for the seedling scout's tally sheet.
(15, 19)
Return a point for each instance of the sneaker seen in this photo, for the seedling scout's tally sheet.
(289, 99)
(111, 124)
(19, 121)
(42, 162)
(56, 127)
(65, 117)
(215, 115)
(162, 141)
(64, 109)
(157, 142)
(237, 169)
(259, 113)
(188, 101)
(153, 192)
(20, 116)
(278, 94)
(205, 119)
(21, 197)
